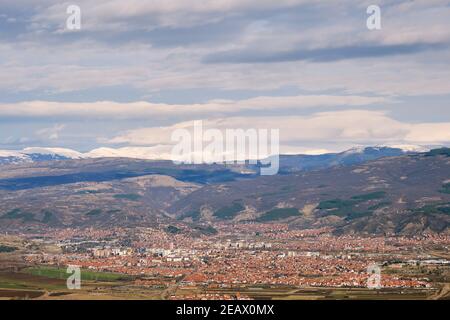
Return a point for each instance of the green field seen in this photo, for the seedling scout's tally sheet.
(24, 281)
(88, 275)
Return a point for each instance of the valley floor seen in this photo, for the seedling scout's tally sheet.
(264, 261)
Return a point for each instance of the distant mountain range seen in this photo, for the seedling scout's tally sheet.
(396, 193)
(288, 163)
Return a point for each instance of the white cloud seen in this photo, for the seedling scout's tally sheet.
(342, 128)
(428, 133)
(140, 110)
(51, 133)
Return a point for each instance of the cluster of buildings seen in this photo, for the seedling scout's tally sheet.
(258, 255)
(242, 244)
(111, 252)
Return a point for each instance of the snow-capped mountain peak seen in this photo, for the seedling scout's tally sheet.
(36, 154)
(63, 152)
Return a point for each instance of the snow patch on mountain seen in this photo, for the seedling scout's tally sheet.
(354, 150)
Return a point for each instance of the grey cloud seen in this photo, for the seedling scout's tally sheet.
(323, 54)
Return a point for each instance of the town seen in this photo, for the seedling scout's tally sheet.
(241, 258)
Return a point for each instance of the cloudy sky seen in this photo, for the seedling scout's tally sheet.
(138, 69)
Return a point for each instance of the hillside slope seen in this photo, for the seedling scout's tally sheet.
(407, 194)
